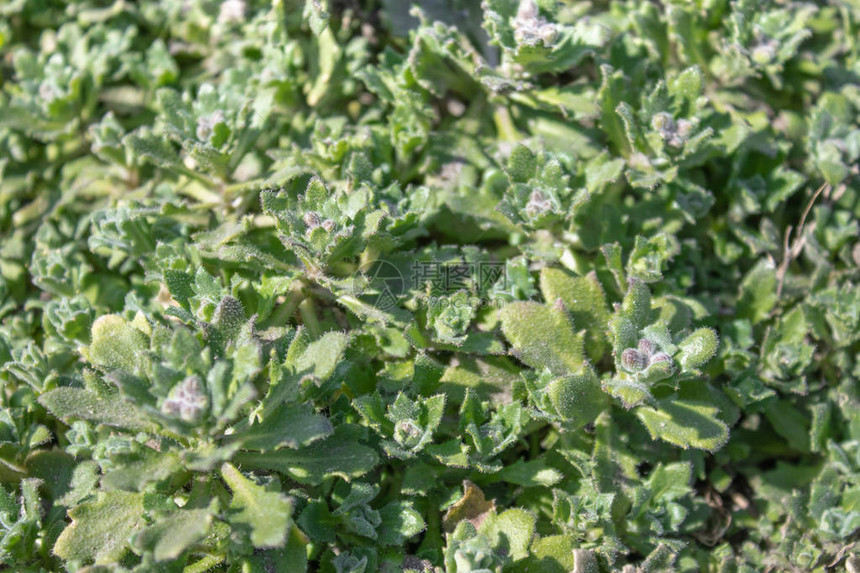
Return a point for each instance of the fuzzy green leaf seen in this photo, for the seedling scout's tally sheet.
(100, 529)
(78, 404)
(511, 531)
(169, 537)
(577, 398)
(265, 513)
(685, 424)
(697, 349)
(758, 292)
(399, 522)
(336, 455)
(584, 299)
(292, 426)
(542, 337)
(115, 343)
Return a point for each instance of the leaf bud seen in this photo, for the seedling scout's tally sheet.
(187, 400)
(407, 433)
(312, 220)
(646, 346)
(634, 360)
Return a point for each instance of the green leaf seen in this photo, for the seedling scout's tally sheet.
(669, 482)
(532, 474)
(70, 404)
(552, 554)
(266, 513)
(661, 559)
(452, 453)
(636, 306)
(147, 145)
(685, 424)
(83, 483)
(316, 12)
(336, 455)
(399, 522)
(115, 343)
(521, 164)
(317, 521)
(584, 299)
(629, 391)
(510, 531)
(651, 257)
(291, 425)
(292, 557)
(490, 377)
(697, 349)
(577, 398)
(686, 87)
(180, 284)
(100, 529)
(133, 472)
(170, 536)
(790, 423)
(758, 292)
(553, 345)
(602, 171)
(322, 356)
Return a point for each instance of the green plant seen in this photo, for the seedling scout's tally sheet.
(500, 286)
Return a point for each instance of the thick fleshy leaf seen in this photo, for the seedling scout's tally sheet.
(577, 398)
(697, 348)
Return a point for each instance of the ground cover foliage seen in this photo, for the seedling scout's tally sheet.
(344, 286)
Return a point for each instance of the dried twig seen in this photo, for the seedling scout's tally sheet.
(791, 252)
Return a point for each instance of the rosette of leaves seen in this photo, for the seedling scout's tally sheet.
(356, 519)
(497, 542)
(658, 373)
(538, 193)
(407, 426)
(762, 39)
(834, 135)
(323, 226)
(533, 44)
(56, 90)
(180, 403)
(480, 538)
(667, 132)
(215, 129)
